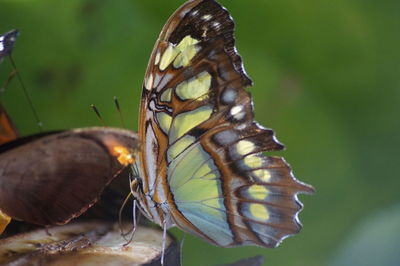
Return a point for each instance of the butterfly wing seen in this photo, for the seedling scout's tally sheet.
(7, 41)
(53, 177)
(8, 131)
(202, 163)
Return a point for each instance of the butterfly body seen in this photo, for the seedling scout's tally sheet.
(201, 165)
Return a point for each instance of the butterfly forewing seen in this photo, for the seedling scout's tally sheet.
(202, 164)
(8, 131)
(7, 41)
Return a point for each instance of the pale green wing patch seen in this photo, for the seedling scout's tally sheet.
(196, 185)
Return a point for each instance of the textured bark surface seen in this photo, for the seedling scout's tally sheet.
(88, 244)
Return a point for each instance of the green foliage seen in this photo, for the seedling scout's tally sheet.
(326, 79)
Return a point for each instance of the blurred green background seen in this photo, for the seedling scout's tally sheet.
(327, 80)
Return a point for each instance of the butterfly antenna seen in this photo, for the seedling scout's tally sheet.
(96, 111)
(119, 111)
(38, 122)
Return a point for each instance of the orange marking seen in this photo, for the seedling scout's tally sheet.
(123, 156)
(4, 221)
(7, 129)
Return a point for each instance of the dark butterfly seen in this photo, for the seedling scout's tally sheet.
(53, 177)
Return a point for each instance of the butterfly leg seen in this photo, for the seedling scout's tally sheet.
(134, 216)
(133, 229)
(134, 191)
(134, 194)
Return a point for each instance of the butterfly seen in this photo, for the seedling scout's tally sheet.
(52, 177)
(7, 41)
(201, 166)
(7, 129)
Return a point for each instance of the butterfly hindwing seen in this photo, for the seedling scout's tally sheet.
(202, 164)
(53, 177)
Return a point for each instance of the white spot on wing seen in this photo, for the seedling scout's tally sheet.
(244, 147)
(216, 24)
(242, 127)
(237, 112)
(205, 30)
(157, 59)
(149, 82)
(206, 17)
